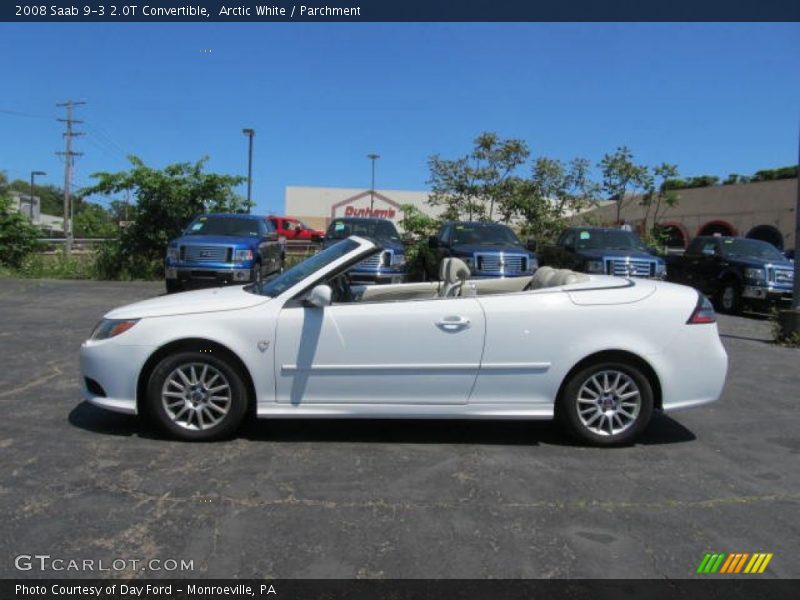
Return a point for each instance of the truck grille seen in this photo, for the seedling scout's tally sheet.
(781, 276)
(630, 268)
(206, 253)
(376, 261)
(500, 262)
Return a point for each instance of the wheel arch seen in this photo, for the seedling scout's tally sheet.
(198, 344)
(619, 355)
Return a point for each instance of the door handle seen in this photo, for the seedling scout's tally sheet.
(453, 322)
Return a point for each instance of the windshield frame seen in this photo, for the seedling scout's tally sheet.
(477, 228)
(394, 237)
(342, 254)
(603, 235)
(189, 232)
(777, 255)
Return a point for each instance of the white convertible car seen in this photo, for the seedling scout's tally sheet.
(599, 353)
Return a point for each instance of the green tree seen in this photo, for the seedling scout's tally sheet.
(166, 199)
(658, 198)
(554, 192)
(18, 238)
(477, 184)
(93, 221)
(420, 259)
(622, 177)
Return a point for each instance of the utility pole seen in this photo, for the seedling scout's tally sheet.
(373, 157)
(69, 157)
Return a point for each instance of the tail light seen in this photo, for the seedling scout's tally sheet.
(703, 312)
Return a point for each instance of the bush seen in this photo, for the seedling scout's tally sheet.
(18, 238)
(113, 263)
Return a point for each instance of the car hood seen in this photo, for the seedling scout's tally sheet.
(600, 253)
(200, 301)
(212, 239)
(469, 249)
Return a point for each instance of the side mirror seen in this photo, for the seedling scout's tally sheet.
(531, 244)
(320, 296)
(433, 242)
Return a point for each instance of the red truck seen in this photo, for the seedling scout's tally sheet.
(294, 229)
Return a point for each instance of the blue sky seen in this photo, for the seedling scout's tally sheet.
(713, 98)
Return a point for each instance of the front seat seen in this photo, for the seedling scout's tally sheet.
(453, 272)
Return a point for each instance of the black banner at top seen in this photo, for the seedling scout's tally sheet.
(398, 10)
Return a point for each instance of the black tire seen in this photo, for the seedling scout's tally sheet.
(237, 393)
(173, 286)
(729, 298)
(581, 425)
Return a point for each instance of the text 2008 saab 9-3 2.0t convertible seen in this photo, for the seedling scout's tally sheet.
(599, 353)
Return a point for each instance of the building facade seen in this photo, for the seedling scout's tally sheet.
(317, 206)
(763, 210)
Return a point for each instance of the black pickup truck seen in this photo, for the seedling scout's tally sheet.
(489, 249)
(734, 271)
(605, 251)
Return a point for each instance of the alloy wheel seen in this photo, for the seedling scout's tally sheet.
(609, 402)
(196, 396)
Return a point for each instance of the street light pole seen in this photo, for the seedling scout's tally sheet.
(33, 174)
(373, 157)
(250, 133)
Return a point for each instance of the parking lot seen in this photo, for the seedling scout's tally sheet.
(385, 498)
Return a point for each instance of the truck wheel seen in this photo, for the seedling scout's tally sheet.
(257, 275)
(607, 403)
(197, 396)
(730, 298)
(173, 286)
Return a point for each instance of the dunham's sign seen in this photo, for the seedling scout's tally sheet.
(359, 206)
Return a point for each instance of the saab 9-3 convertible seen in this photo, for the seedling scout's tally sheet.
(599, 353)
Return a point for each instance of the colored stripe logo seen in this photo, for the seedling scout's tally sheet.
(733, 563)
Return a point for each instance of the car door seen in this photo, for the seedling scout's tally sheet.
(407, 352)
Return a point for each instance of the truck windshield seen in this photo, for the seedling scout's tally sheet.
(372, 228)
(222, 225)
(610, 239)
(484, 234)
(277, 285)
(751, 248)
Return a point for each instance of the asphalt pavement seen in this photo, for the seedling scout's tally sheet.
(394, 499)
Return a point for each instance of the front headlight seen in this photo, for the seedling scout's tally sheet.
(172, 253)
(470, 262)
(661, 269)
(533, 263)
(242, 255)
(398, 260)
(595, 266)
(108, 328)
(755, 274)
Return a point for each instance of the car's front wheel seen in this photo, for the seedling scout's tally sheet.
(196, 395)
(607, 403)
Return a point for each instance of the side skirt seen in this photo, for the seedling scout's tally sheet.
(405, 411)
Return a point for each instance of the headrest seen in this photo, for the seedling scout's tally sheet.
(454, 270)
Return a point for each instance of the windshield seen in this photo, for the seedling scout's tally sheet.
(222, 225)
(277, 285)
(484, 235)
(752, 248)
(611, 239)
(372, 228)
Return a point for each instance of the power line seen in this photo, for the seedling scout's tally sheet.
(69, 160)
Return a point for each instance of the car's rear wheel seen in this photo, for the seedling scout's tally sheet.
(607, 403)
(197, 396)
